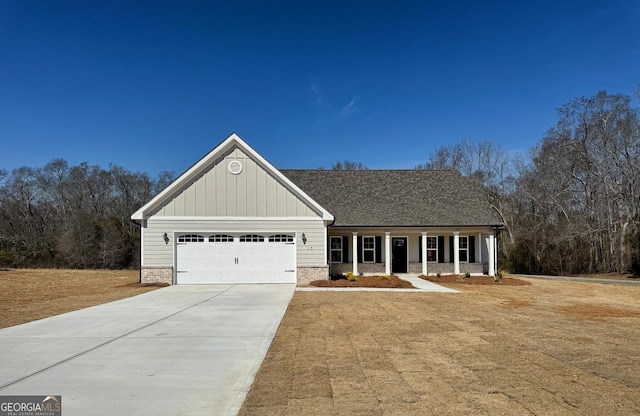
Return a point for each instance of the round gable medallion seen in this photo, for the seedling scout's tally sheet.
(235, 167)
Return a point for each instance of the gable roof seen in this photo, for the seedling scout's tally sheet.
(210, 158)
(397, 197)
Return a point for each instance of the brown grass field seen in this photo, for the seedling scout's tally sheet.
(548, 348)
(30, 294)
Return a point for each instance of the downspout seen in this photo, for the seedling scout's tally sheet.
(328, 247)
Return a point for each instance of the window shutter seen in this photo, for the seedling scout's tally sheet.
(450, 249)
(440, 249)
(359, 256)
(420, 249)
(472, 249)
(345, 249)
(378, 249)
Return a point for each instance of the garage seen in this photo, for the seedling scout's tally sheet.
(223, 258)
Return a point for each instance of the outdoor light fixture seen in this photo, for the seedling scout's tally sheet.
(304, 239)
(166, 238)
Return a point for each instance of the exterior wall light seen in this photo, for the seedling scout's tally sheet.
(166, 238)
(304, 239)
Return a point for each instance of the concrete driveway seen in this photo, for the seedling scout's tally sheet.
(180, 350)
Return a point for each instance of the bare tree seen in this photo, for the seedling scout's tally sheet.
(348, 165)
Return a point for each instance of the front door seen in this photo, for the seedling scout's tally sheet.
(398, 254)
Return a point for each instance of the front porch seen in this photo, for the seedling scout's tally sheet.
(474, 269)
(409, 251)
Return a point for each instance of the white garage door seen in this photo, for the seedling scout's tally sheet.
(230, 259)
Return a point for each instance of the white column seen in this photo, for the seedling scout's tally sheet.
(424, 253)
(387, 253)
(479, 249)
(456, 252)
(355, 253)
(492, 267)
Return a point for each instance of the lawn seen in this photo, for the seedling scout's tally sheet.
(30, 294)
(548, 348)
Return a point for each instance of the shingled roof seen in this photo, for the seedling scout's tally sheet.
(397, 197)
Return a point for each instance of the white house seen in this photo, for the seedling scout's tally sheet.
(234, 218)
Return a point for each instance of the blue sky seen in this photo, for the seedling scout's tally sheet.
(154, 85)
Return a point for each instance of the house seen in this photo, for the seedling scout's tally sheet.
(234, 218)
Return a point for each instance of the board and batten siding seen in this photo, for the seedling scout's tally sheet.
(217, 192)
(159, 253)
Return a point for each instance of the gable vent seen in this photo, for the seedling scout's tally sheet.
(235, 167)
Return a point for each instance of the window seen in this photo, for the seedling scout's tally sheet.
(432, 249)
(191, 238)
(368, 249)
(221, 238)
(281, 238)
(251, 238)
(336, 249)
(463, 249)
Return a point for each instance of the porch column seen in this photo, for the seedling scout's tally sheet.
(355, 253)
(456, 252)
(492, 256)
(479, 248)
(387, 253)
(424, 253)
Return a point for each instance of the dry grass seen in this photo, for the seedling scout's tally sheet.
(609, 276)
(30, 294)
(548, 348)
(452, 279)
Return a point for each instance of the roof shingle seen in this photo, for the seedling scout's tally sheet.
(397, 197)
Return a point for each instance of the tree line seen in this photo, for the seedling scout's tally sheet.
(570, 205)
(73, 216)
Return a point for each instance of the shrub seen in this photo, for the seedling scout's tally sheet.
(438, 274)
(497, 277)
(385, 277)
(351, 277)
(467, 275)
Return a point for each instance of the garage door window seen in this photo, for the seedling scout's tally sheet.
(221, 238)
(191, 238)
(251, 238)
(281, 238)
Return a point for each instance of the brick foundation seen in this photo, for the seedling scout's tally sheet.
(364, 268)
(308, 274)
(156, 274)
(447, 268)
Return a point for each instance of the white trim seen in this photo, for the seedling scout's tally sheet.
(424, 252)
(193, 171)
(174, 251)
(463, 249)
(492, 271)
(341, 250)
(324, 240)
(432, 249)
(354, 252)
(142, 244)
(479, 249)
(387, 253)
(192, 218)
(369, 249)
(456, 252)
